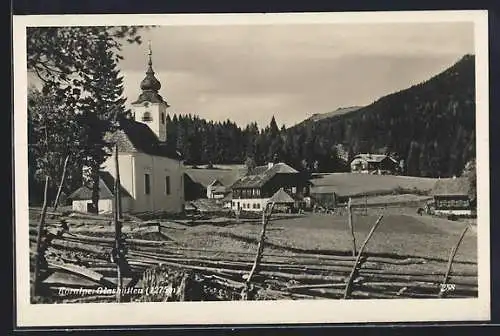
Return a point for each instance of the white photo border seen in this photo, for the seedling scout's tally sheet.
(249, 312)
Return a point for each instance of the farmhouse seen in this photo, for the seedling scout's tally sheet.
(253, 191)
(374, 164)
(150, 172)
(209, 183)
(451, 197)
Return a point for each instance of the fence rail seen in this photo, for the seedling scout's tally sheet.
(291, 276)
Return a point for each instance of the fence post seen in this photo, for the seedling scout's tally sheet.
(118, 233)
(442, 292)
(351, 226)
(350, 280)
(41, 227)
(260, 249)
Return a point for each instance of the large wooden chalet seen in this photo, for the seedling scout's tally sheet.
(253, 191)
(374, 163)
(452, 197)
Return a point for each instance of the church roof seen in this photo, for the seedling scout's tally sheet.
(106, 187)
(150, 96)
(133, 136)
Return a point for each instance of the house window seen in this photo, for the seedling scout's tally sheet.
(258, 205)
(233, 203)
(147, 184)
(162, 118)
(167, 185)
(147, 116)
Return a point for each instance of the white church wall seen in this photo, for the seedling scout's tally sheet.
(158, 169)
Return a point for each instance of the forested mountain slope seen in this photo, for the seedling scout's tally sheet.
(430, 125)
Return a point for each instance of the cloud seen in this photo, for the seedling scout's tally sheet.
(248, 73)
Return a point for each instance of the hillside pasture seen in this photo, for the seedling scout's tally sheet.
(352, 184)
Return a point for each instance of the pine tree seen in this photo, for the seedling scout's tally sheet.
(102, 105)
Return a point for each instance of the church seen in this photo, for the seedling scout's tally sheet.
(151, 174)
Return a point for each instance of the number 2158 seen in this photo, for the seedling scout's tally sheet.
(447, 287)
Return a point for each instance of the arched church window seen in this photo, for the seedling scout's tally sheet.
(147, 116)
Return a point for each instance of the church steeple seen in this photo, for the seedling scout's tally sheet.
(150, 85)
(150, 108)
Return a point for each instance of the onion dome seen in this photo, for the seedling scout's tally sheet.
(150, 83)
(150, 86)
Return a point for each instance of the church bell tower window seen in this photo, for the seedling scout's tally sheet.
(147, 116)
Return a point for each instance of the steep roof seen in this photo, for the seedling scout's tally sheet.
(106, 187)
(262, 174)
(219, 189)
(373, 157)
(281, 196)
(205, 177)
(133, 136)
(451, 187)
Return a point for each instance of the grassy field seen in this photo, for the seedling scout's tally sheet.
(391, 200)
(348, 184)
(402, 235)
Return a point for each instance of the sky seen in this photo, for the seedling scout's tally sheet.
(249, 73)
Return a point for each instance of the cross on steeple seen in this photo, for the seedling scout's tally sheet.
(150, 53)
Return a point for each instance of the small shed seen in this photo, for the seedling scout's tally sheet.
(82, 197)
(452, 197)
(216, 190)
(282, 200)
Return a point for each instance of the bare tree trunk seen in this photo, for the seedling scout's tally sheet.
(61, 183)
(41, 228)
(95, 187)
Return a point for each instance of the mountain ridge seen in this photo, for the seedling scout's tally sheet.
(426, 123)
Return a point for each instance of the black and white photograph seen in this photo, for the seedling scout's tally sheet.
(251, 168)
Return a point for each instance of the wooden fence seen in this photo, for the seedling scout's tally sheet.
(77, 260)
